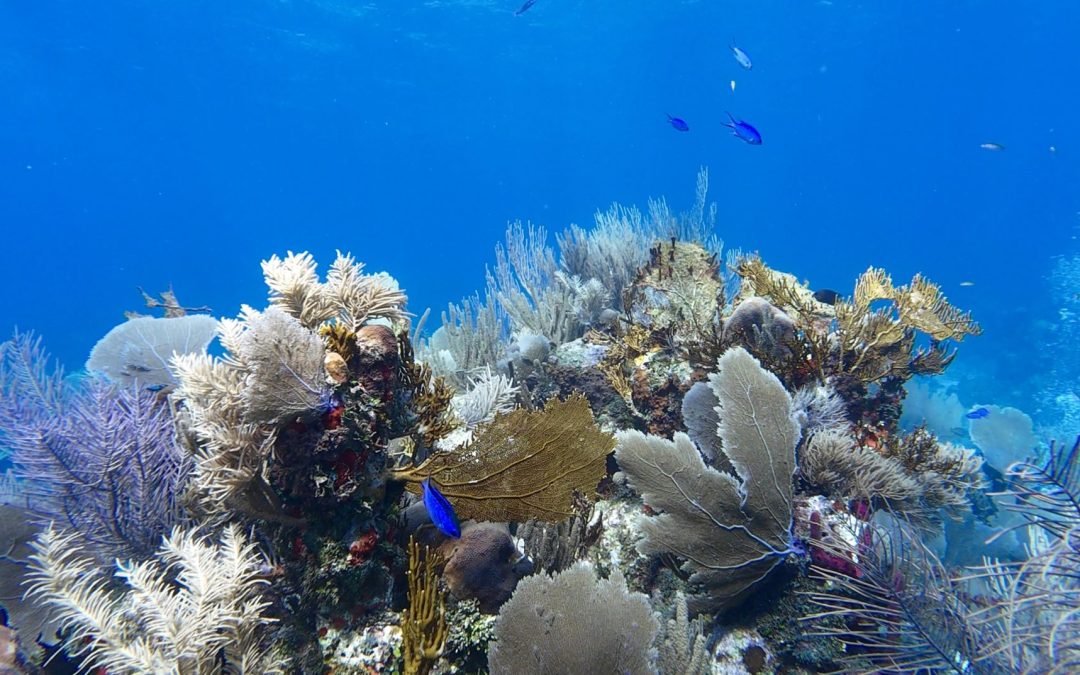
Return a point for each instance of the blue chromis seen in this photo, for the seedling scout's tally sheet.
(439, 509)
(977, 414)
(679, 123)
(743, 130)
(742, 57)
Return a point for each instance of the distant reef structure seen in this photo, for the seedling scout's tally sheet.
(633, 451)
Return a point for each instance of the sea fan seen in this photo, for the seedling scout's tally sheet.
(285, 360)
(138, 350)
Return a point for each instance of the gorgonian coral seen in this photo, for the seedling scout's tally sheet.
(98, 457)
(524, 464)
(196, 608)
(731, 530)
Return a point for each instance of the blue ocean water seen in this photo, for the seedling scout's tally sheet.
(149, 143)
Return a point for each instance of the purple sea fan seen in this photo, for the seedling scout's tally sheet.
(99, 459)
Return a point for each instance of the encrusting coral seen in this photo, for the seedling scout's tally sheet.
(197, 606)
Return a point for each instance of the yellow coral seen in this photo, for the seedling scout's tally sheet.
(525, 464)
(877, 343)
(423, 624)
(431, 395)
(339, 339)
(781, 289)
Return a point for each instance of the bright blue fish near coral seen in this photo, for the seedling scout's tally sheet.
(679, 123)
(440, 510)
(977, 414)
(742, 57)
(745, 131)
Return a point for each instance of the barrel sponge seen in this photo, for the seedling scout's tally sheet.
(483, 565)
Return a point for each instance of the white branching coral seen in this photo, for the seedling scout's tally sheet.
(488, 395)
(192, 609)
(348, 295)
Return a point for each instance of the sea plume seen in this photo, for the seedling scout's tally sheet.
(194, 609)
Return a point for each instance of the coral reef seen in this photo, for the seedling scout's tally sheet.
(758, 464)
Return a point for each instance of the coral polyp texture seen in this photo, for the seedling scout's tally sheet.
(663, 457)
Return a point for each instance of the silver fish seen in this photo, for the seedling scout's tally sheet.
(742, 57)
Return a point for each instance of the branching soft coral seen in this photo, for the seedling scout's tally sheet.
(348, 294)
(858, 338)
(1031, 613)
(895, 609)
(914, 475)
(190, 611)
(100, 458)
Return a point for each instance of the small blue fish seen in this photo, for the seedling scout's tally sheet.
(439, 509)
(977, 414)
(744, 131)
(525, 7)
(679, 123)
(156, 387)
(742, 57)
